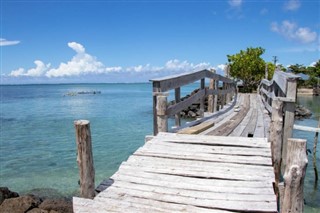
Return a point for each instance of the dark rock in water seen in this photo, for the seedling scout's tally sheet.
(45, 193)
(5, 193)
(19, 204)
(58, 205)
(30, 203)
(302, 112)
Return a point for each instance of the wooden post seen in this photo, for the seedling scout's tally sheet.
(288, 119)
(295, 171)
(281, 195)
(211, 97)
(85, 158)
(314, 154)
(156, 89)
(275, 137)
(162, 118)
(202, 86)
(177, 99)
(215, 102)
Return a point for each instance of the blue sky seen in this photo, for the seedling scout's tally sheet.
(132, 41)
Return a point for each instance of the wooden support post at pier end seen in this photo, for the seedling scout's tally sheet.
(295, 171)
(85, 158)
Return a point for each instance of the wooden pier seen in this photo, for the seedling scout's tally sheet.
(227, 161)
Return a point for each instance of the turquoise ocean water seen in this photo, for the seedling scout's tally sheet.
(38, 150)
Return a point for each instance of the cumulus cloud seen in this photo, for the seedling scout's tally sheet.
(235, 3)
(292, 5)
(4, 42)
(83, 63)
(38, 71)
(291, 31)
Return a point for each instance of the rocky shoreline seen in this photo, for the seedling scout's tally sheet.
(11, 202)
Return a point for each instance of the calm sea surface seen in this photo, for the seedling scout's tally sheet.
(38, 150)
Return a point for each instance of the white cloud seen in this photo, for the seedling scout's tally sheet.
(291, 31)
(292, 5)
(235, 3)
(76, 47)
(38, 71)
(4, 42)
(170, 67)
(81, 63)
(84, 64)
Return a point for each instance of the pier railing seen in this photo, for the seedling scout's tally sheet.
(279, 98)
(288, 155)
(161, 86)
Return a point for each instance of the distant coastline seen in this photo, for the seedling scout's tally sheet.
(305, 91)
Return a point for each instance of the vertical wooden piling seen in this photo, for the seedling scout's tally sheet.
(211, 97)
(289, 118)
(202, 87)
(85, 158)
(295, 171)
(215, 102)
(162, 118)
(275, 137)
(177, 99)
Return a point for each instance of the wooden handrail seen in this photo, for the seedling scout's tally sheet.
(175, 82)
(279, 97)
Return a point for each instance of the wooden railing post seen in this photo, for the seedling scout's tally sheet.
(216, 107)
(177, 95)
(211, 97)
(156, 89)
(162, 118)
(85, 158)
(202, 86)
(289, 109)
(295, 171)
(275, 137)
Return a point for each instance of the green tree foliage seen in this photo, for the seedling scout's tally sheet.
(248, 66)
(271, 68)
(312, 71)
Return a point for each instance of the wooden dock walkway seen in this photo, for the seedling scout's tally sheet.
(191, 173)
(222, 163)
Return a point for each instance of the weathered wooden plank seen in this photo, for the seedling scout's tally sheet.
(132, 183)
(254, 206)
(213, 117)
(281, 79)
(116, 204)
(175, 81)
(226, 174)
(196, 164)
(259, 131)
(200, 184)
(197, 129)
(214, 140)
(174, 109)
(250, 128)
(212, 149)
(242, 125)
(208, 157)
(164, 206)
